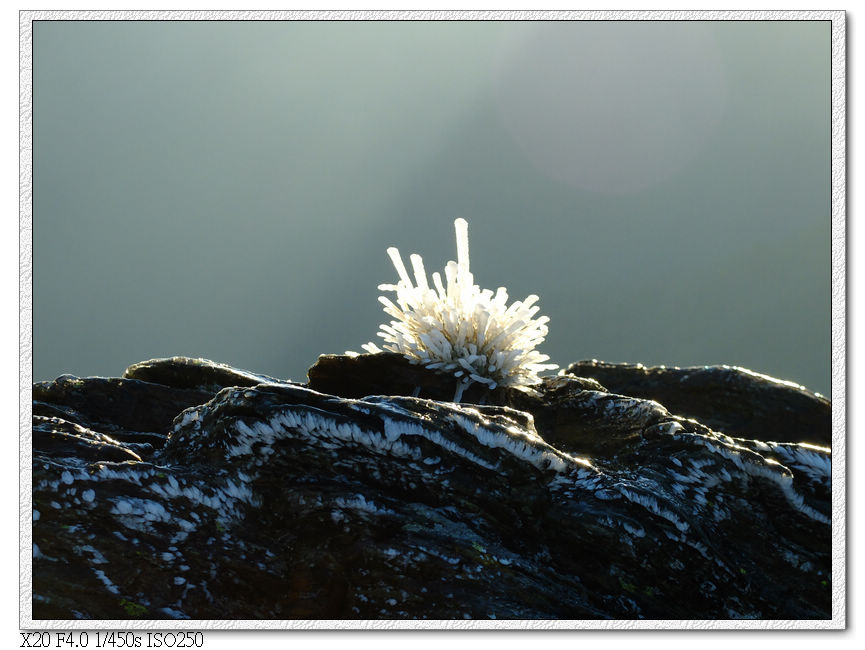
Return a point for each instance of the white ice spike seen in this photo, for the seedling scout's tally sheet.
(460, 328)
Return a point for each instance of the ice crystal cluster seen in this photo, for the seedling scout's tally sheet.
(461, 329)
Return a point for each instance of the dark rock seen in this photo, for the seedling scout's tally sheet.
(737, 401)
(58, 438)
(386, 373)
(280, 501)
(129, 409)
(197, 374)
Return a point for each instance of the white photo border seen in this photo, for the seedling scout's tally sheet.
(839, 352)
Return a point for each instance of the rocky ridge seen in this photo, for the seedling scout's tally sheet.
(189, 489)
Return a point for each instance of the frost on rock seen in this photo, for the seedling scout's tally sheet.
(458, 328)
(279, 501)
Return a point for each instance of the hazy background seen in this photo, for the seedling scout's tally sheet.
(228, 189)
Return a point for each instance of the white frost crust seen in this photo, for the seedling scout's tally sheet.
(815, 461)
(631, 409)
(394, 429)
(312, 426)
(651, 504)
(172, 613)
(523, 446)
(222, 500)
(636, 532)
(140, 512)
(361, 504)
(259, 438)
(772, 471)
(110, 586)
(785, 482)
(96, 556)
(460, 329)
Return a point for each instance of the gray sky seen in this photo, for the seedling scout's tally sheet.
(228, 189)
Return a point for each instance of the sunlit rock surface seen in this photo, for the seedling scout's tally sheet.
(189, 489)
(734, 400)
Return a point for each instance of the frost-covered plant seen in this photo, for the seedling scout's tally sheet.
(460, 328)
